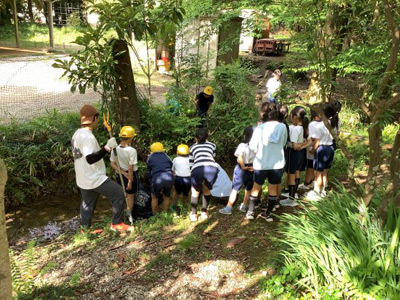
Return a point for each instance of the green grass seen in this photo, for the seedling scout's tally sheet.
(37, 36)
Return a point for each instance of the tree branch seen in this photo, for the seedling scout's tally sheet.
(393, 101)
(395, 33)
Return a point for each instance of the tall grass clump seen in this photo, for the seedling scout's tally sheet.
(336, 250)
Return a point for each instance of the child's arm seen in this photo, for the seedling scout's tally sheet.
(130, 177)
(315, 147)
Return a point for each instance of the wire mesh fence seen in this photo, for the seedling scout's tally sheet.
(30, 86)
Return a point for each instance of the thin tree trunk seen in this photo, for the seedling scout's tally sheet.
(30, 11)
(375, 161)
(128, 103)
(393, 189)
(5, 270)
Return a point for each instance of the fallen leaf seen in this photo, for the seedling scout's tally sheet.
(176, 273)
(116, 288)
(121, 258)
(234, 242)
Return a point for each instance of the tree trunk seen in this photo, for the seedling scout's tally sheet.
(30, 11)
(375, 160)
(5, 270)
(128, 104)
(393, 189)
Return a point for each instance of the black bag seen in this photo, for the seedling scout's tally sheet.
(142, 205)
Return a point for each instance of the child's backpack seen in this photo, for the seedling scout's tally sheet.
(142, 205)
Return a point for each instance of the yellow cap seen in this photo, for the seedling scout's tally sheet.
(127, 132)
(157, 147)
(208, 90)
(182, 149)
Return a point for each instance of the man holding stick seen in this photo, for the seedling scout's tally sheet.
(90, 172)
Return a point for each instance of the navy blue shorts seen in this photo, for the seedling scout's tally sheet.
(304, 160)
(161, 184)
(310, 164)
(273, 176)
(294, 160)
(323, 157)
(242, 178)
(182, 185)
(204, 174)
(135, 183)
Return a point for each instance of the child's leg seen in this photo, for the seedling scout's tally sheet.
(324, 179)
(253, 197)
(272, 197)
(319, 182)
(154, 204)
(232, 198)
(292, 184)
(246, 197)
(194, 200)
(130, 198)
(206, 198)
(297, 181)
(309, 176)
(165, 202)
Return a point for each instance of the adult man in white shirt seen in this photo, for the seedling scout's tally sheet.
(90, 171)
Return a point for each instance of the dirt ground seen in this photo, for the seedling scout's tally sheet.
(223, 257)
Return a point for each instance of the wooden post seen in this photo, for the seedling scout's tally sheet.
(16, 24)
(5, 270)
(50, 16)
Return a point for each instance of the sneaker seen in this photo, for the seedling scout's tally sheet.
(323, 194)
(225, 211)
(266, 216)
(250, 216)
(242, 208)
(274, 209)
(305, 187)
(121, 227)
(276, 206)
(313, 195)
(285, 194)
(204, 215)
(288, 202)
(193, 217)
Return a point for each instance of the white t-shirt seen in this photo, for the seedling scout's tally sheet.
(181, 166)
(88, 177)
(127, 156)
(244, 151)
(296, 134)
(273, 85)
(312, 127)
(322, 134)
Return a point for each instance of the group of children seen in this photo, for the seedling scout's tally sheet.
(274, 148)
(267, 152)
(193, 170)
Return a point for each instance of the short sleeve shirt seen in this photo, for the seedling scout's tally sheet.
(181, 166)
(127, 156)
(203, 102)
(244, 151)
(323, 135)
(88, 177)
(312, 127)
(296, 134)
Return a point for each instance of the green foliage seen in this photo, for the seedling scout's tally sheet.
(22, 269)
(37, 154)
(331, 248)
(234, 108)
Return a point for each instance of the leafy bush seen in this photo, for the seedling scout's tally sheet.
(38, 155)
(333, 249)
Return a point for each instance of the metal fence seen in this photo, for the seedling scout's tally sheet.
(30, 86)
